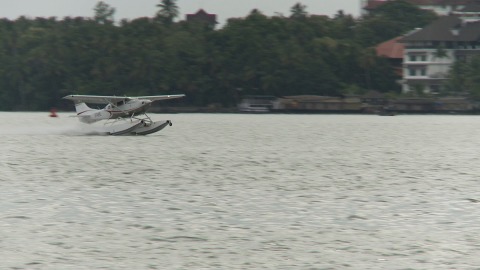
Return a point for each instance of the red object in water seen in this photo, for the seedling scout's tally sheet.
(53, 112)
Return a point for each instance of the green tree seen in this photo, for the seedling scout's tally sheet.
(366, 61)
(407, 15)
(45, 59)
(465, 78)
(103, 13)
(440, 53)
(168, 11)
(390, 20)
(298, 11)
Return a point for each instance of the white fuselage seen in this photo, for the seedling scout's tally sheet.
(123, 108)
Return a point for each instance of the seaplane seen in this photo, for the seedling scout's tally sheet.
(121, 115)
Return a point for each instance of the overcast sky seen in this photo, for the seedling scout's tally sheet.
(131, 9)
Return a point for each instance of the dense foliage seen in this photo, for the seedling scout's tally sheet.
(465, 78)
(44, 59)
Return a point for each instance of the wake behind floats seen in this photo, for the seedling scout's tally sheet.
(123, 115)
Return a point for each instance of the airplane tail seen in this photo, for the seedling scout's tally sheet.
(81, 107)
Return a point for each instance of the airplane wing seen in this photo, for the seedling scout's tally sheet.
(113, 99)
(160, 97)
(95, 99)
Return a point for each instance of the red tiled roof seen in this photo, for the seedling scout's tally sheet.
(391, 48)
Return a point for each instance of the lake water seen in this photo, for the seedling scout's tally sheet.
(227, 191)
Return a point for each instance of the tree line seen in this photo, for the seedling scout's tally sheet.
(44, 59)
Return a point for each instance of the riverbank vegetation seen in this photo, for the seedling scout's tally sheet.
(44, 59)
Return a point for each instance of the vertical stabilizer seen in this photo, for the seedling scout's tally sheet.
(81, 107)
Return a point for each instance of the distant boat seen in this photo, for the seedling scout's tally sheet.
(256, 104)
(386, 113)
(53, 112)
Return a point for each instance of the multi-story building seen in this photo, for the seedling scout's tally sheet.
(203, 17)
(430, 52)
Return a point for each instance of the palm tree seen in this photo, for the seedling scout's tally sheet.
(103, 13)
(168, 11)
(298, 11)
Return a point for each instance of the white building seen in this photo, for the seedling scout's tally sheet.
(430, 52)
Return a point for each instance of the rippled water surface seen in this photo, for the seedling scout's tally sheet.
(242, 192)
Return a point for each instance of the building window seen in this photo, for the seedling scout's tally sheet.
(417, 57)
(417, 71)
